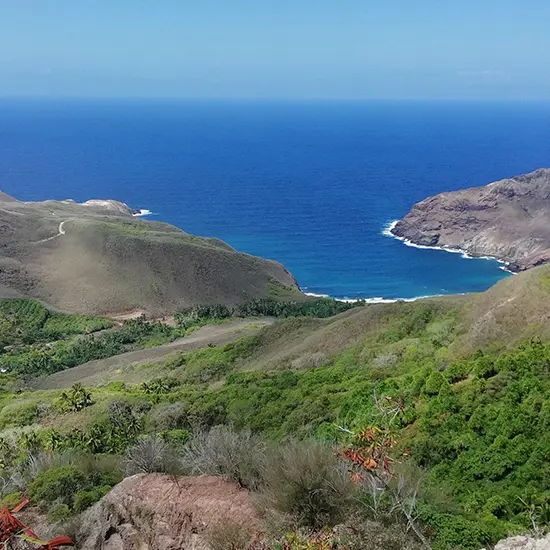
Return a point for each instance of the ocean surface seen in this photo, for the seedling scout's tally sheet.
(310, 184)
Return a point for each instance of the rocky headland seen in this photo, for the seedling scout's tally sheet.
(507, 220)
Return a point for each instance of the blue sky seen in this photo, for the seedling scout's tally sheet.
(322, 49)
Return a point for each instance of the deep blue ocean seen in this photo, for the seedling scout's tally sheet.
(311, 184)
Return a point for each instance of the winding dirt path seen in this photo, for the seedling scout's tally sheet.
(60, 231)
(102, 370)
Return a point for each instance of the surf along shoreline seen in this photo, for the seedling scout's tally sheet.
(388, 232)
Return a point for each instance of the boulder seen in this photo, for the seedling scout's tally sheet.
(160, 512)
(524, 543)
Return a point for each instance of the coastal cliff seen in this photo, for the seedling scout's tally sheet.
(507, 220)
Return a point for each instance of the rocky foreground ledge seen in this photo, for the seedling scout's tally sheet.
(508, 220)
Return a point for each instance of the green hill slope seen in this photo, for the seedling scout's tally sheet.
(471, 374)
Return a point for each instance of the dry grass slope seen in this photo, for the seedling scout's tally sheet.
(514, 309)
(97, 258)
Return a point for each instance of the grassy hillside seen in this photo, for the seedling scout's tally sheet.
(98, 259)
(470, 374)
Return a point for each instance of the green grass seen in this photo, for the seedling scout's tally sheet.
(126, 228)
(278, 291)
(544, 282)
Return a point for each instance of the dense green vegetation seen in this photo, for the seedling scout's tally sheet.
(475, 425)
(28, 322)
(39, 359)
(267, 307)
(480, 427)
(41, 343)
(321, 308)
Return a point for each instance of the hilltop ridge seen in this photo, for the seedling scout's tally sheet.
(96, 257)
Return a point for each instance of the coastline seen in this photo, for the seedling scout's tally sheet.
(388, 232)
(379, 300)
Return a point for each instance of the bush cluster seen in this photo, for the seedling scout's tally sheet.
(37, 360)
(25, 321)
(267, 307)
(71, 484)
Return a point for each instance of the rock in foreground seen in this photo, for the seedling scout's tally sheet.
(159, 512)
(524, 543)
(507, 219)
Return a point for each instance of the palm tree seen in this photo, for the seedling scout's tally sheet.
(76, 399)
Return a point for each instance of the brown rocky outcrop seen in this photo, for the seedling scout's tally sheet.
(507, 219)
(160, 512)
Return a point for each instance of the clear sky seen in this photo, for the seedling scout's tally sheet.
(467, 49)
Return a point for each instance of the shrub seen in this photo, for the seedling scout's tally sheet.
(175, 437)
(370, 535)
(457, 371)
(84, 499)
(497, 506)
(60, 512)
(197, 315)
(228, 534)
(454, 532)
(223, 452)
(309, 361)
(305, 481)
(59, 325)
(149, 455)
(384, 361)
(57, 484)
(322, 307)
(434, 383)
(168, 416)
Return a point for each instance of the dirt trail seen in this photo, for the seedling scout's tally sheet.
(95, 372)
(60, 231)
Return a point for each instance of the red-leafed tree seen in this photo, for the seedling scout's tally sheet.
(373, 454)
(15, 535)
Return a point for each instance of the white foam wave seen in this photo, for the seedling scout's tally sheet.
(375, 300)
(142, 212)
(387, 231)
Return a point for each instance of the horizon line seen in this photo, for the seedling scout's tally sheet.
(260, 99)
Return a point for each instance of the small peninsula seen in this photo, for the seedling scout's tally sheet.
(507, 220)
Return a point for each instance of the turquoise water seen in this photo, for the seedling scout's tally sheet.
(309, 184)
